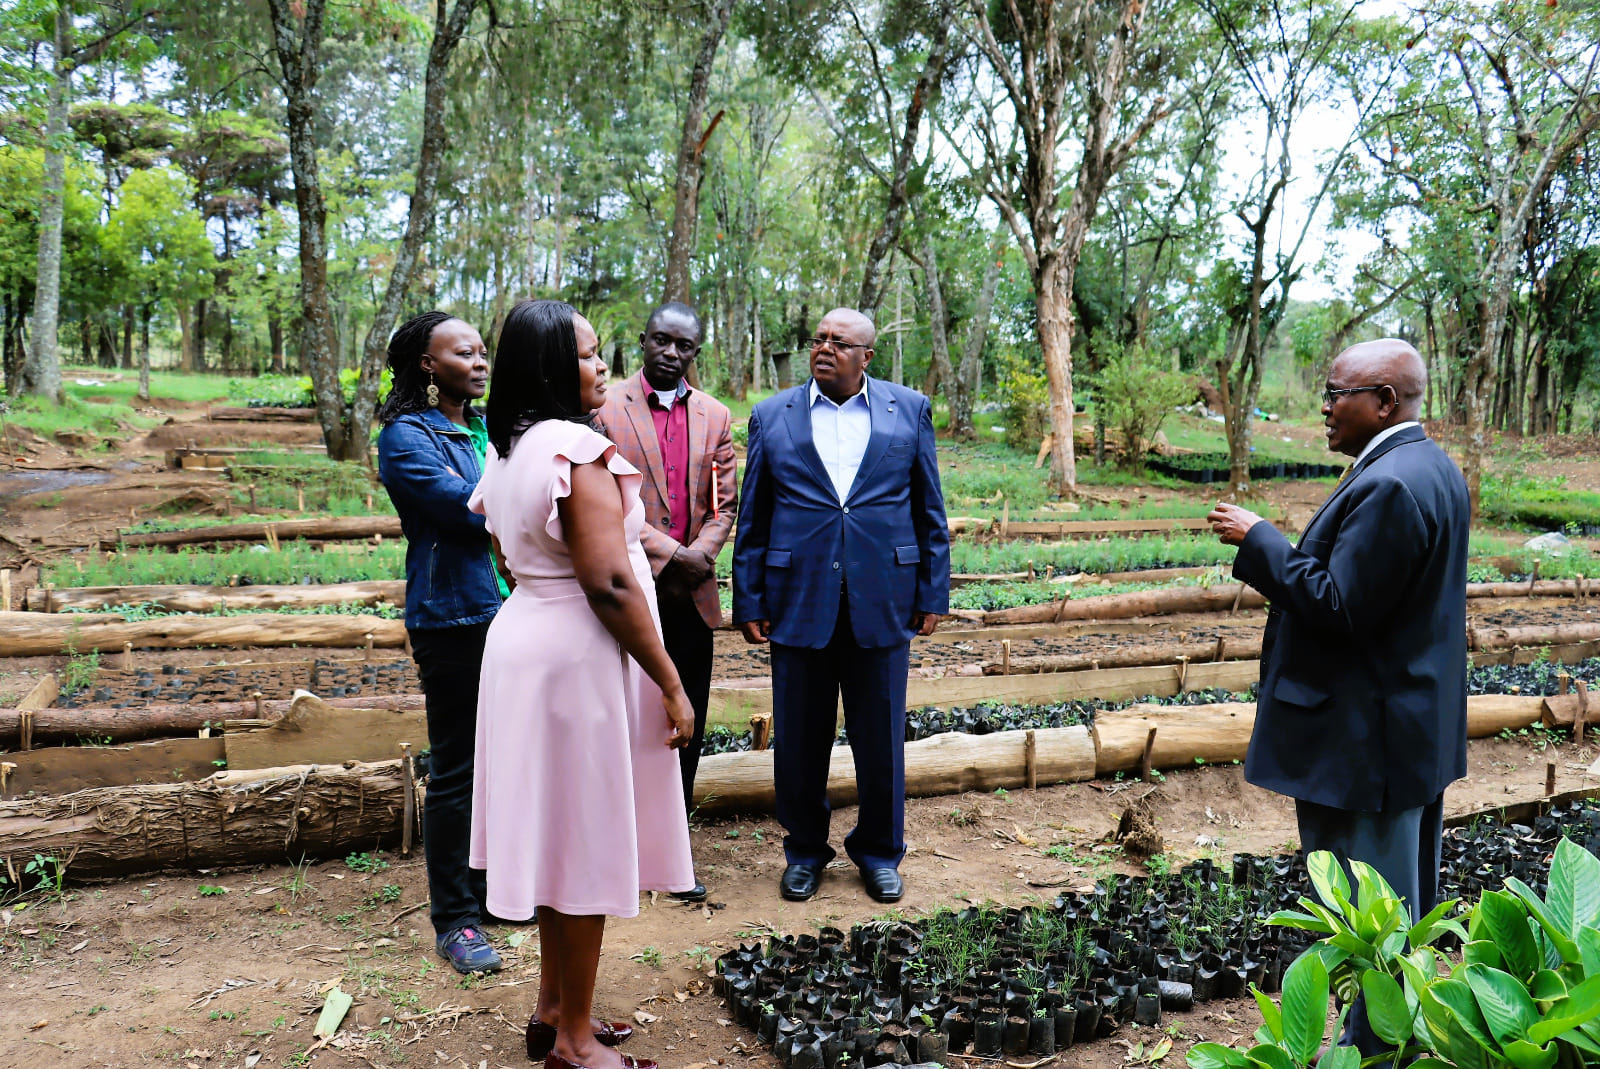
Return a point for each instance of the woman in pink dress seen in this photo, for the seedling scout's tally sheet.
(577, 803)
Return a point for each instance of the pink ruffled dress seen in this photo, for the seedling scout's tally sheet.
(577, 803)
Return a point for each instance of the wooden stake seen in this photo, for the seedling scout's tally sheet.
(369, 645)
(5, 589)
(1550, 778)
(1005, 656)
(761, 730)
(27, 729)
(127, 656)
(299, 498)
(1533, 577)
(260, 714)
(252, 489)
(1563, 683)
(369, 500)
(1222, 648)
(6, 768)
(1005, 517)
(1237, 597)
(1150, 749)
(47, 606)
(409, 803)
(1183, 673)
(1030, 759)
(1582, 719)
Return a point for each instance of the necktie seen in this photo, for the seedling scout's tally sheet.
(1345, 474)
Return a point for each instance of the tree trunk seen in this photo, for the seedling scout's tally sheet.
(326, 528)
(202, 312)
(297, 27)
(278, 363)
(1056, 323)
(448, 27)
(939, 371)
(923, 96)
(185, 336)
(128, 319)
(691, 149)
(41, 371)
(144, 354)
(34, 634)
(964, 396)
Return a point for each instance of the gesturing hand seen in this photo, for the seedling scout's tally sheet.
(1230, 523)
(680, 714)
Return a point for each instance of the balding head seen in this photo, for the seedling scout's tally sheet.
(1374, 386)
(839, 366)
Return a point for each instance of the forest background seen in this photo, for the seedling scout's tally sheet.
(1039, 202)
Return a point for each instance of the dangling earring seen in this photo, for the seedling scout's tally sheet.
(433, 392)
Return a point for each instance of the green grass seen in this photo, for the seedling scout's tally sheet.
(283, 479)
(45, 418)
(164, 385)
(1483, 548)
(1110, 555)
(294, 562)
(988, 597)
(1544, 504)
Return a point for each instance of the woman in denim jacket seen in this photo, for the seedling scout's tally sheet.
(430, 455)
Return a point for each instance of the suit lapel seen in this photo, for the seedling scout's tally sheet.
(644, 428)
(1410, 434)
(880, 404)
(798, 418)
(694, 419)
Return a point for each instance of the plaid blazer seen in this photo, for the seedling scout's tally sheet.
(625, 419)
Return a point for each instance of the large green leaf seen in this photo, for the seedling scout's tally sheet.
(1552, 925)
(1373, 888)
(1305, 1006)
(1386, 1007)
(1288, 918)
(1340, 1058)
(1271, 1017)
(1589, 951)
(1574, 887)
(1328, 877)
(1525, 1055)
(1269, 1057)
(1482, 952)
(1581, 1005)
(1503, 919)
(1547, 986)
(1215, 1056)
(1427, 929)
(1507, 1007)
(1453, 1000)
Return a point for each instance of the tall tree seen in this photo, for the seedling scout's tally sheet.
(691, 151)
(298, 31)
(1050, 59)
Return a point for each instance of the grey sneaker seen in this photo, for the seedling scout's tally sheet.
(467, 950)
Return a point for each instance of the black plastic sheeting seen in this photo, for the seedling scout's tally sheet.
(1036, 980)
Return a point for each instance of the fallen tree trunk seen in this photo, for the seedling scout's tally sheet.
(944, 764)
(1222, 597)
(1234, 648)
(31, 634)
(1221, 732)
(1500, 638)
(155, 721)
(330, 528)
(231, 818)
(264, 414)
(210, 598)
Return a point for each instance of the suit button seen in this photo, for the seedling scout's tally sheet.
(835, 565)
(847, 510)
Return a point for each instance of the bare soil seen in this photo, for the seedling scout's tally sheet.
(212, 969)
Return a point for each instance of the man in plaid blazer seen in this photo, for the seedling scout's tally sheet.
(681, 439)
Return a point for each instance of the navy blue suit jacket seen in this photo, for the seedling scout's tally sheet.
(1363, 700)
(888, 543)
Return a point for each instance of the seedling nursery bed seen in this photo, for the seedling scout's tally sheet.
(1033, 981)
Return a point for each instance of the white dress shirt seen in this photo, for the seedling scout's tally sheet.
(841, 433)
(1387, 432)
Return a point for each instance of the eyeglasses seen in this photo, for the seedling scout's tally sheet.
(843, 347)
(1328, 396)
(684, 346)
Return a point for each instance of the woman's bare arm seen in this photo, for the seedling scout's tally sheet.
(592, 519)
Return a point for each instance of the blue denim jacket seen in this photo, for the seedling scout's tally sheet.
(430, 469)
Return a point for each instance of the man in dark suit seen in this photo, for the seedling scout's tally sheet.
(680, 439)
(842, 554)
(1362, 715)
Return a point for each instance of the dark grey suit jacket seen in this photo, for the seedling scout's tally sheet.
(1363, 701)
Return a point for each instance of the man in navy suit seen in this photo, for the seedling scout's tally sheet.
(842, 554)
(1362, 715)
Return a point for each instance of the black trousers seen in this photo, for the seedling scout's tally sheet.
(1404, 846)
(688, 642)
(448, 660)
(807, 686)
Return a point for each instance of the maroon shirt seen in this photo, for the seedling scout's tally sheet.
(672, 432)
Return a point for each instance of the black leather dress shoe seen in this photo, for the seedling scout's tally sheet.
(697, 893)
(800, 882)
(884, 885)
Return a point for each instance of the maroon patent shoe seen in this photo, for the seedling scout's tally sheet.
(556, 1061)
(542, 1037)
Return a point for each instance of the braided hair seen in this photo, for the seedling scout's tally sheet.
(409, 390)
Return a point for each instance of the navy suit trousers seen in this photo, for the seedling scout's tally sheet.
(807, 685)
(1403, 845)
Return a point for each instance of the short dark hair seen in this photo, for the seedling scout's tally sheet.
(681, 309)
(408, 389)
(535, 371)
